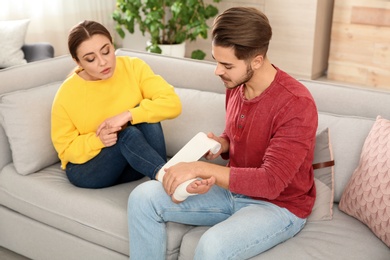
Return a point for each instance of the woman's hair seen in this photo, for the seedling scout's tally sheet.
(82, 32)
(245, 29)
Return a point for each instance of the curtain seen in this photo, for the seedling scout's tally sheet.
(51, 20)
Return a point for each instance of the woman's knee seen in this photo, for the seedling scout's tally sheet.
(130, 131)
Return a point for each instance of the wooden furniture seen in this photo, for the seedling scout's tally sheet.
(360, 43)
(301, 34)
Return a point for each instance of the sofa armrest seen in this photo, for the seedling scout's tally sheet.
(38, 51)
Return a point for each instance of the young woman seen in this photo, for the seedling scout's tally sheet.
(106, 115)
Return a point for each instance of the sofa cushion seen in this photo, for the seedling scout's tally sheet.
(96, 215)
(323, 177)
(202, 111)
(25, 116)
(348, 134)
(342, 238)
(367, 195)
(12, 34)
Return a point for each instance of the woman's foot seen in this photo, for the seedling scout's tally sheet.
(192, 187)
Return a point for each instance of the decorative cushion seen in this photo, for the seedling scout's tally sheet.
(25, 116)
(195, 104)
(12, 35)
(348, 134)
(367, 195)
(323, 177)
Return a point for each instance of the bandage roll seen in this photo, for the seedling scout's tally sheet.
(198, 146)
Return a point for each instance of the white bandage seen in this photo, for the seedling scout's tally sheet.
(181, 192)
(198, 146)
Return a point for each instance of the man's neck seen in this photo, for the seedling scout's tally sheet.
(261, 80)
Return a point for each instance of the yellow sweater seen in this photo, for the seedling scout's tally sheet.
(80, 106)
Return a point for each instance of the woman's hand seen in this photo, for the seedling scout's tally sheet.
(109, 136)
(115, 122)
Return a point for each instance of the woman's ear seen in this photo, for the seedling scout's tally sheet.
(77, 62)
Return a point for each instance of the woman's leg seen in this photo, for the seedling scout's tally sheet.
(131, 158)
(154, 135)
(143, 146)
(102, 171)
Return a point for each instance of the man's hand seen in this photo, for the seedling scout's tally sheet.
(196, 187)
(224, 147)
(177, 174)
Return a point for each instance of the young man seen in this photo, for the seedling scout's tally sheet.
(266, 192)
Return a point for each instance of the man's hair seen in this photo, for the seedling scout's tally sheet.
(82, 32)
(245, 29)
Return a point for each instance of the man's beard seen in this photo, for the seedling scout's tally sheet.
(248, 75)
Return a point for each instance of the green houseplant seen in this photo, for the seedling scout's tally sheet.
(165, 21)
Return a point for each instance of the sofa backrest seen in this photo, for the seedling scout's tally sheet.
(349, 112)
(194, 80)
(181, 73)
(349, 100)
(201, 92)
(28, 76)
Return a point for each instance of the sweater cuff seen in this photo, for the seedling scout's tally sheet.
(137, 116)
(96, 143)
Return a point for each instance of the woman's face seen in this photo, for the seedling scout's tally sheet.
(97, 57)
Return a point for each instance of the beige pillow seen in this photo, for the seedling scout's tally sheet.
(367, 194)
(323, 165)
(26, 116)
(12, 35)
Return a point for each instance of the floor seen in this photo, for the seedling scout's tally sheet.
(5, 254)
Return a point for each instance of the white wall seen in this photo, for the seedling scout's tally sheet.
(51, 20)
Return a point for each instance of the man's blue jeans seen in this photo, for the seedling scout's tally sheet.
(241, 227)
(140, 151)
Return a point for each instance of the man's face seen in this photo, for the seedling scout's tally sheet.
(232, 71)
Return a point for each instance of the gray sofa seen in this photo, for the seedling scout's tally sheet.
(42, 216)
(37, 51)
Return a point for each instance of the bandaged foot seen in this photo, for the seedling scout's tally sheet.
(192, 187)
(198, 146)
(181, 192)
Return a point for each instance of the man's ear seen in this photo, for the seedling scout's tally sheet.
(257, 61)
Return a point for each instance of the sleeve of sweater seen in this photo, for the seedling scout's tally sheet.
(159, 101)
(70, 145)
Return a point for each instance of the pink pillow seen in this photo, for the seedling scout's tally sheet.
(367, 194)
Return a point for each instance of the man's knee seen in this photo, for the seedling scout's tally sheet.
(143, 194)
(210, 246)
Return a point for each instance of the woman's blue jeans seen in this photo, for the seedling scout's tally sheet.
(140, 151)
(241, 227)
